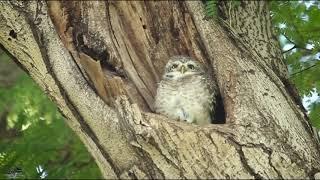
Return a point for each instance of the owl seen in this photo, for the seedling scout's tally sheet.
(186, 92)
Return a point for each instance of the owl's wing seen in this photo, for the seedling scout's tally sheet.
(211, 85)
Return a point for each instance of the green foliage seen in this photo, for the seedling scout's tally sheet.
(314, 114)
(297, 24)
(211, 9)
(43, 138)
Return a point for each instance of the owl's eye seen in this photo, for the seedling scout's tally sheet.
(174, 66)
(190, 66)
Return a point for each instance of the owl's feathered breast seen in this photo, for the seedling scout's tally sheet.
(188, 98)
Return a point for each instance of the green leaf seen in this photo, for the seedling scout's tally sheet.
(211, 9)
(315, 115)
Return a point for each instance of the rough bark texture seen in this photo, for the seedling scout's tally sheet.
(100, 63)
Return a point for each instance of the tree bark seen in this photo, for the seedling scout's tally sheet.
(100, 63)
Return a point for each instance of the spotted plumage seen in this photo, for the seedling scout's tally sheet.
(185, 92)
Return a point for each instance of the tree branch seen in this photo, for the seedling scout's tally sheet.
(293, 47)
(307, 68)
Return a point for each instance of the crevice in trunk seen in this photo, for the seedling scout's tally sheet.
(219, 112)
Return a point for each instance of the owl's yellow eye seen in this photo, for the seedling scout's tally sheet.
(190, 66)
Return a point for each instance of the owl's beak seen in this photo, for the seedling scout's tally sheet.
(183, 69)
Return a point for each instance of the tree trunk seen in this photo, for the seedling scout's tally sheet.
(100, 63)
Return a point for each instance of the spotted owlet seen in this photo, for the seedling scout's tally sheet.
(185, 92)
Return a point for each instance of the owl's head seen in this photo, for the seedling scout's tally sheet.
(182, 66)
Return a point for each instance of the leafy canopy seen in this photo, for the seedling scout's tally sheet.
(42, 138)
